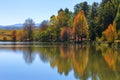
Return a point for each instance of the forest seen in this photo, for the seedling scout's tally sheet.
(99, 22)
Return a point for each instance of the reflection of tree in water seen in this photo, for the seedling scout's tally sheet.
(43, 57)
(80, 61)
(96, 65)
(118, 60)
(57, 58)
(111, 57)
(86, 61)
(102, 63)
(62, 61)
(28, 55)
(47, 53)
(14, 47)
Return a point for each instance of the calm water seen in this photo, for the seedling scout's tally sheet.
(59, 62)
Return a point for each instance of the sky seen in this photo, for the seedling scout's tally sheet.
(16, 11)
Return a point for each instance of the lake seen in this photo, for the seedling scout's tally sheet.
(59, 62)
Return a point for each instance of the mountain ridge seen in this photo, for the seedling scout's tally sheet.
(15, 26)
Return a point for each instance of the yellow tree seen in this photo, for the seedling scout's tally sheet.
(80, 26)
(110, 33)
(61, 18)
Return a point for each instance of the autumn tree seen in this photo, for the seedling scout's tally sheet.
(110, 34)
(80, 26)
(28, 29)
(65, 34)
(14, 33)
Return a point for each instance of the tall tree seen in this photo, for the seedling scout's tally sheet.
(82, 6)
(107, 14)
(93, 21)
(28, 29)
(117, 19)
(68, 15)
(61, 19)
(53, 21)
(80, 26)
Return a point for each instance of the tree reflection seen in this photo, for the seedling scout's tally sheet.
(86, 61)
(58, 57)
(106, 69)
(28, 55)
(111, 57)
(80, 60)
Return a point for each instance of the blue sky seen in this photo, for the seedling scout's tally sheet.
(16, 11)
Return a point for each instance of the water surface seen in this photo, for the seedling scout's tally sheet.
(59, 62)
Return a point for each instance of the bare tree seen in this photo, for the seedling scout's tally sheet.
(28, 29)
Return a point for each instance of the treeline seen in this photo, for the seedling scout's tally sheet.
(96, 22)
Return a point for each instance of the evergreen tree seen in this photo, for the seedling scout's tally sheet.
(117, 19)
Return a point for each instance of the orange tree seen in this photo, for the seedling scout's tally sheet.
(80, 26)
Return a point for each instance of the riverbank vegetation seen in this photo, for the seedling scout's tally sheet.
(97, 22)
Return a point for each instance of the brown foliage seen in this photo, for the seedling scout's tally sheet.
(65, 34)
(4, 38)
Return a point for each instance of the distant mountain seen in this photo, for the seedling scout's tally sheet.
(15, 27)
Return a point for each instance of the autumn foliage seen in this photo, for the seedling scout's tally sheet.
(65, 34)
(110, 33)
(80, 27)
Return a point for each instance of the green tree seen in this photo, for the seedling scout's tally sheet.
(60, 18)
(93, 21)
(53, 21)
(82, 6)
(117, 19)
(53, 27)
(68, 15)
(107, 14)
